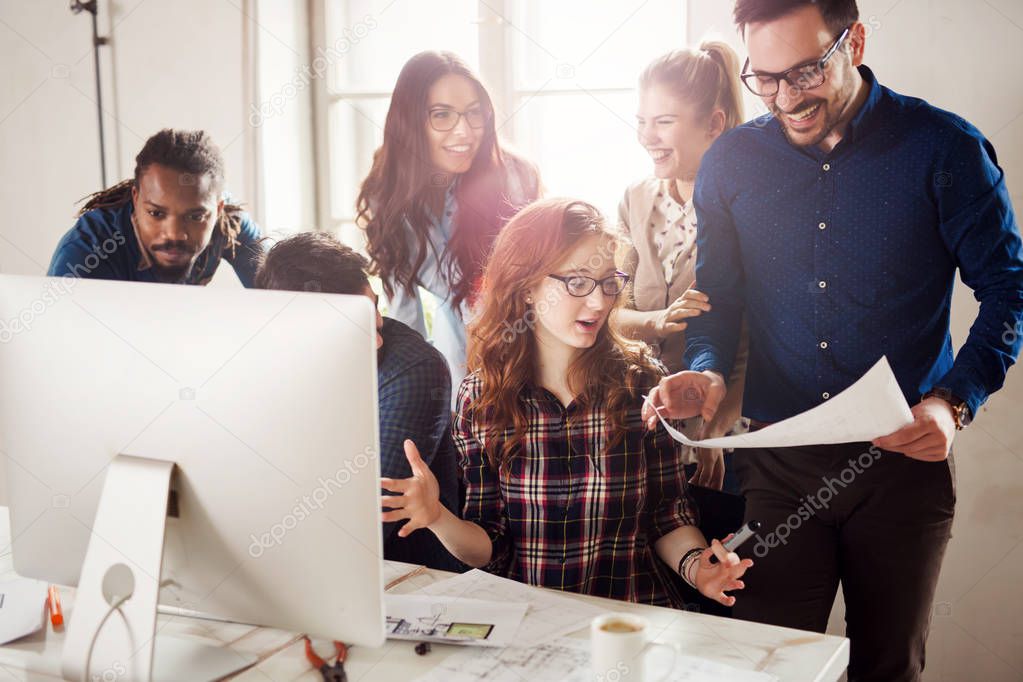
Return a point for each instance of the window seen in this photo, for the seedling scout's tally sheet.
(562, 75)
(574, 68)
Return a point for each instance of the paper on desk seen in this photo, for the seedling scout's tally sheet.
(555, 661)
(450, 620)
(22, 608)
(568, 660)
(550, 615)
(873, 406)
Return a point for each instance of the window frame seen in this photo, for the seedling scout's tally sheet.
(496, 65)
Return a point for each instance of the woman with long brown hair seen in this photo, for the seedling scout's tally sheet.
(440, 189)
(565, 487)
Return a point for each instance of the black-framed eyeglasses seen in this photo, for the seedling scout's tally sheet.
(443, 119)
(805, 76)
(581, 285)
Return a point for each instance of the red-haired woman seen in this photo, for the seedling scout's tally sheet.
(440, 189)
(566, 489)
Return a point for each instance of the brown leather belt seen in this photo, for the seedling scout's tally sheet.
(756, 424)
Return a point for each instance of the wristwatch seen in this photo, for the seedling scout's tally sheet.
(960, 410)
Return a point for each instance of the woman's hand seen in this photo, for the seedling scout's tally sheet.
(419, 498)
(671, 319)
(713, 580)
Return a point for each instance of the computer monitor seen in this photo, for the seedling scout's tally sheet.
(257, 408)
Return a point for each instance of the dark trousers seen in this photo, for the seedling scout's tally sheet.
(730, 484)
(875, 521)
(720, 514)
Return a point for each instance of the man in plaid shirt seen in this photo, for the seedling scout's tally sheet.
(413, 381)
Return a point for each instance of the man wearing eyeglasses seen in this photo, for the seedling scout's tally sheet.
(837, 226)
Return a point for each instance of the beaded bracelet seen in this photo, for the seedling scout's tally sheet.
(682, 565)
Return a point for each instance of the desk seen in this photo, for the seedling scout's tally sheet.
(791, 655)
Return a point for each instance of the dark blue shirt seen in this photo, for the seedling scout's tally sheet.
(103, 245)
(414, 397)
(839, 258)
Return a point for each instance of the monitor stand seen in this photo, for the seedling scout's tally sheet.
(122, 570)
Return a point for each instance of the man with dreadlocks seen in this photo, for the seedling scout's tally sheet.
(170, 223)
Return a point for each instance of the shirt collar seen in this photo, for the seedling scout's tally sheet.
(145, 262)
(859, 123)
(666, 203)
(865, 115)
(444, 220)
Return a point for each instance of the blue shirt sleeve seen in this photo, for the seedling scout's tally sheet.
(246, 256)
(91, 249)
(415, 404)
(712, 338)
(979, 228)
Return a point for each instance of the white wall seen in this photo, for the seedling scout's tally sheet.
(169, 64)
(965, 57)
(177, 63)
(48, 144)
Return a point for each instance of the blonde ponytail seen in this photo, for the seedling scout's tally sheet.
(706, 78)
(729, 97)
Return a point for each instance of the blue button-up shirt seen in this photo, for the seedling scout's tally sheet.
(837, 258)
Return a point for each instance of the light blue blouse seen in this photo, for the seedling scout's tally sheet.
(449, 323)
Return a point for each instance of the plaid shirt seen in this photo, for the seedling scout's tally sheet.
(567, 515)
(414, 397)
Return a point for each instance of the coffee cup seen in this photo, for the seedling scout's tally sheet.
(620, 643)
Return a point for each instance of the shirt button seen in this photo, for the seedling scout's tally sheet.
(822, 284)
(822, 226)
(824, 345)
(825, 395)
(562, 560)
(826, 167)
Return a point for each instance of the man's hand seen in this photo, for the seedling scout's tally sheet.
(684, 395)
(419, 501)
(929, 437)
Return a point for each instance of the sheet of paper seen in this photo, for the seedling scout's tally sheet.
(873, 406)
(550, 615)
(22, 608)
(554, 661)
(568, 660)
(452, 620)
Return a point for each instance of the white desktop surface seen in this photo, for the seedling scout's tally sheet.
(790, 655)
